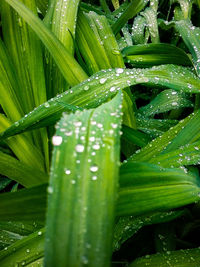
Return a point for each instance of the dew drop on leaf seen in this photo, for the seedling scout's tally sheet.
(94, 168)
(79, 148)
(57, 140)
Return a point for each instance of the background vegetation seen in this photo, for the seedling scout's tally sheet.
(100, 133)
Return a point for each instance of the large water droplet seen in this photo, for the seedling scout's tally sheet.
(79, 148)
(103, 80)
(94, 168)
(57, 140)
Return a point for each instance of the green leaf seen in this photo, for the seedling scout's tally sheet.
(183, 156)
(26, 53)
(190, 35)
(185, 132)
(150, 15)
(132, 10)
(87, 165)
(25, 251)
(140, 34)
(20, 172)
(70, 69)
(127, 226)
(145, 188)
(154, 127)
(183, 258)
(22, 147)
(24, 205)
(165, 101)
(134, 136)
(63, 25)
(103, 86)
(146, 55)
(9, 87)
(100, 50)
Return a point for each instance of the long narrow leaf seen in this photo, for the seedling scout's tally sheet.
(101, 87)
(81, 202)
(70, 69)
(20, 172)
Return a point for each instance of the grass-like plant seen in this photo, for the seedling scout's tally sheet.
(99, 133)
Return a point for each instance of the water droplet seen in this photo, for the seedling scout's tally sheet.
(40, 233)
(47, 105)
(92, 138)
(114, 125)
(94, 168)
(28, 250)
(84, 260)
(115, 52)
(57, 140)
(73, 181)
(50, 189)
(79, 148)
(174, 103)
(77, 123)
(96, 147)
(103, 80)
(119, 70)
(68, 133)
(86, 87)
(94, 178)
(67, 171)
(99, 125)
(16, 123)
(112, 89)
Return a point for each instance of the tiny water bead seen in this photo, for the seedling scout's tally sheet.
(94, 168)
(47, 105)
(96, 147)
(79, 148)
(57, 140)
(86, 87)
(112, 89)
(119, 71)
(67, 171)
(102, 80)
(50, 189)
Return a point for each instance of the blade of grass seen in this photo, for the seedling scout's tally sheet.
(134, 136)
(166, 190)
(128, 226)
(165, 101)
(179, 135)
(132, 9)
(183, 156)
(99, 46)
(22, 147)
(150, 15)
(63, 25)
(26, 52)
(155, 54)
(9, 87)
(25, 251)
(20, 172)
(24, 205)
(86, 187)
(70, 69)
(103, 86)
(190, 35)
(183, 258)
